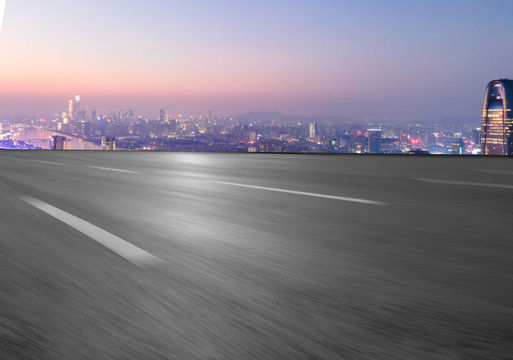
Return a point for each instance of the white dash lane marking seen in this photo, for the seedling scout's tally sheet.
(119, 246)
(11, 158)
(333, 197)
(49, 162)
(495, 171)
(111, 169)
(465, 183)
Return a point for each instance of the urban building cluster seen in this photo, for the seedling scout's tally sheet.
(272, 132)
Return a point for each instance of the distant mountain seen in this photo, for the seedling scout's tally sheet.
(474, 120)
(268, 116)
(451, 121)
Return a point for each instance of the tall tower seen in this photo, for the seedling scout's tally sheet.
(497, 124)
(71, 110)
(162, 115)
(77, 101)
(76, 108)
(313, 130)
(374, 138)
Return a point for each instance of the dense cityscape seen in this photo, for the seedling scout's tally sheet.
(253, 132)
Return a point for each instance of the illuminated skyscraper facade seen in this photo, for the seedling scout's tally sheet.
(77, 102)
(71, 110)
(313, 130)
(374, 137)
(497, 124)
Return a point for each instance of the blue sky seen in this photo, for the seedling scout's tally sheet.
(362, 59)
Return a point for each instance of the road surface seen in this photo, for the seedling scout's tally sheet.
(110, 255)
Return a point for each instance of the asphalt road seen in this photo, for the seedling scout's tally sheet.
(254, 256)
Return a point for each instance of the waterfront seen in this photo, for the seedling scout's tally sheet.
(41, 138)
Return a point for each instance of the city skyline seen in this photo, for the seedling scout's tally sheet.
(356, 59)
(88, 108)
(125, 129)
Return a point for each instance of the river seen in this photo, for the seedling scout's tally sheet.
(42, 138)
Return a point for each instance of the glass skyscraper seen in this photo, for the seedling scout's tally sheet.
(497, 124)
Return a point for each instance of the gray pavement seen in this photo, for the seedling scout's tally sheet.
(260, 256)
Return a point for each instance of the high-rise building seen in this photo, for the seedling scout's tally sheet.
(71, 110)
(77, 102)
(374, 137)
(172, 125)
(476, 136)
(162, 115)
(77, 113)
(497, 124)
(313, 130)
(59, 143)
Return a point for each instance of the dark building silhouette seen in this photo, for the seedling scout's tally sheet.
(476, 136)
(418, 152)
(374, 138)
(162, 115)
(59, 143)
(109, 143)
(497, 124)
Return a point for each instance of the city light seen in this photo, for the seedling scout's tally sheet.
(78, 128)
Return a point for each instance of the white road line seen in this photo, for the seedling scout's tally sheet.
(124, 249)
(49, 162)
(11, 158)
(333, 197)
(465, 183)
(495, 171)
(111, 169)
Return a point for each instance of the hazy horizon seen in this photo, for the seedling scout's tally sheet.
(398, 61)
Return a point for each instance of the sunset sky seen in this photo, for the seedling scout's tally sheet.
(363, 59)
